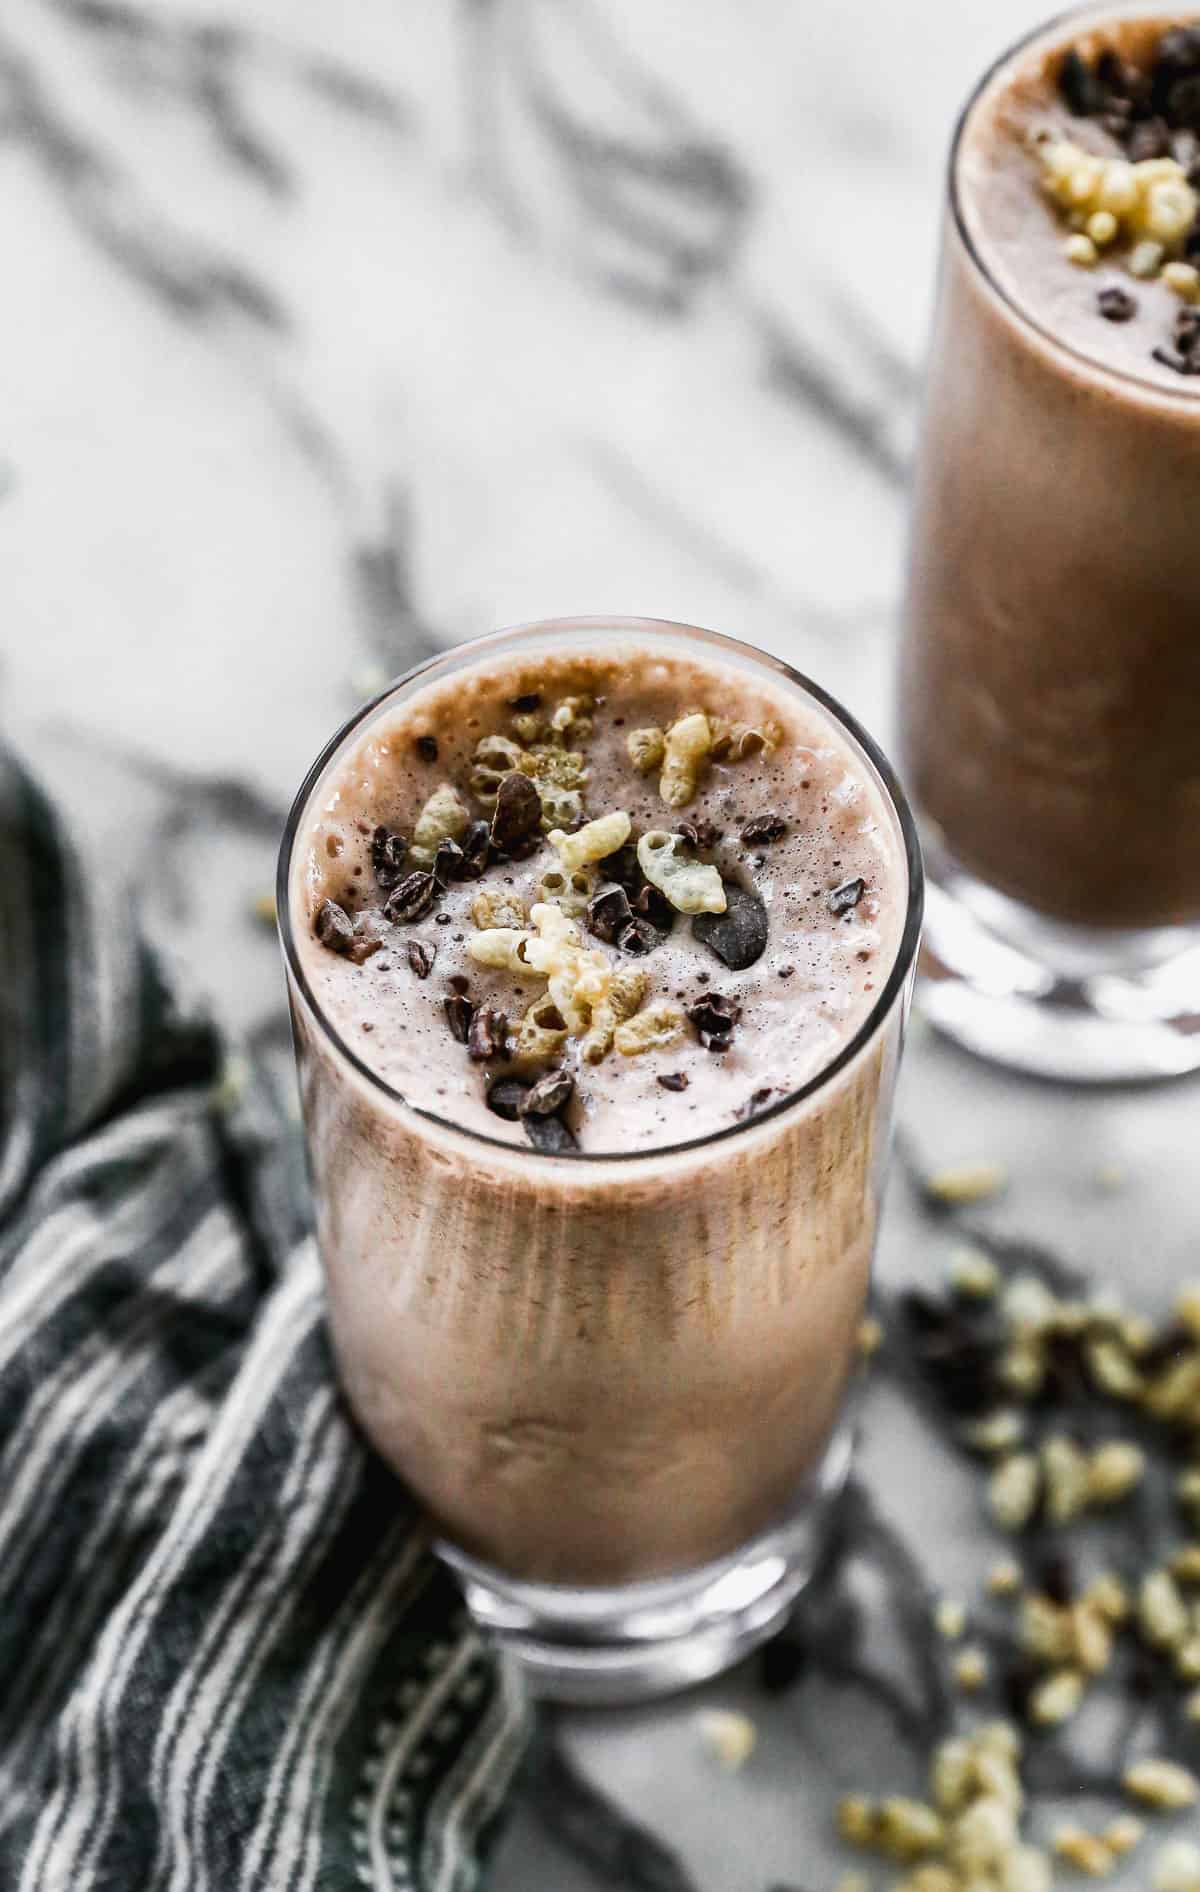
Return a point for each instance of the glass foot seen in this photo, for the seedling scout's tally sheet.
(1080, 1004)
(641, 1640)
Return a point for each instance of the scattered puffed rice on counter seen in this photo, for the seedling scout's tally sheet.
(1162, 1784)
(950, 1618)
(1176, 1867)
(730, 1737)
(962, 1183)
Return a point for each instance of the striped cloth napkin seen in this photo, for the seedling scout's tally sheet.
(228, 1659)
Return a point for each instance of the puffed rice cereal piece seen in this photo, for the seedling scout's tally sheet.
(952, 1774)
(1163, 1784)
(495, 907)
(572, 717)
(1162, 1613)
(625, 996)
(737, 742)
(1065, 1476)
(561, 807)
(908, 1829)
(1123, 1834)
(691, 886)
(569, 892)
(1113, 1471)
(1013, 1491)
(983, 1835)
(1057, 1698)
(971, 1669)
(579, 976)
(646, 748)
(1085, 1851)
(687, 749)
(649, 1030)
(730, 1737)
(561, 768)
(443, 818)
(855, 1819)
(1026, 1869)
(496, 757)
(541, 1034)
(593, 842)
(1176, 1867)
(500, 947)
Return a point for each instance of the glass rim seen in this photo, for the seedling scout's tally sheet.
(1094, 10)
(880, 1011)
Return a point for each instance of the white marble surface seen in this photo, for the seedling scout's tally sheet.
(331, 334)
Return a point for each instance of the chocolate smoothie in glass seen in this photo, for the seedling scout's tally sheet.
(1050, 682)
(599, 937)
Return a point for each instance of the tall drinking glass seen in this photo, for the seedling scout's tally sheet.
(1050, 677)
(618, 1382)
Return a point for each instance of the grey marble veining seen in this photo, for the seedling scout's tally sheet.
(331, 335)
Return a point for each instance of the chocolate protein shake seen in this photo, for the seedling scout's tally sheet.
(599, 936)
(1051, 669)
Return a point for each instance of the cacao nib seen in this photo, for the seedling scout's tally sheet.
(608, 914)
(412, 899)
(459, 1014)
(487, 1036)
(505, 1096)
(550, 1135)
(739, 935)
(638, 938)
(447, 862)
(475, 845)
(388, 853)
(845, 898)
(763, 829)
(714, 1017)
(333, 927)
(421, 957)
(623, 867)
(701, 834)
(652, 904)
(1116, 304)
(1084, 93)
(518, 813)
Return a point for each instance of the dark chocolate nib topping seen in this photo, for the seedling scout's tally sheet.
(739, 935)
(714, 1017)
(505, 1097)
(334, 927)
(518, 813)
(845, 898)
(421, 957)
(487, 1036)
(412, 899)
(459, 1014)
(388, 853)
(550, 1135)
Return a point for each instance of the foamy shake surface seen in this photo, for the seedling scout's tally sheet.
(1107, 91)
(828, 870)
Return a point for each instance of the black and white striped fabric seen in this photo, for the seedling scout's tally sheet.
(228, 1660)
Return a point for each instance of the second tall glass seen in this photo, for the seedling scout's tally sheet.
(1051, 666)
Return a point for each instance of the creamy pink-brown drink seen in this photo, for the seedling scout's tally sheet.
(1050, 674)
(599, 936)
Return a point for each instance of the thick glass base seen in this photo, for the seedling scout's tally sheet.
(1083, 1004)
(640, 1640)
